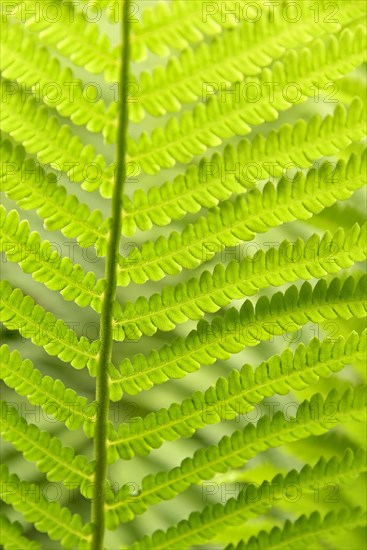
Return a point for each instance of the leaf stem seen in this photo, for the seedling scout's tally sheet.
(106, 334)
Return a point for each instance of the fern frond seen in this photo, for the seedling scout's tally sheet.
(181, 19)
(47, 517)
(52, 395)
(245, 90)
(39, 258)
(32, 66)
(289, 262)
(238, 169)
(244, 50)
(237, 329)
(52, 142)
(12, 538)
(25, 182)
(170, 25)
(203, 526)
(305, 530)
(313, 418)
(210, 123)
(51, 457)
(239, 393)
(181, 81)
(349, 87)
(74, 37)
(20, 312)
(257, 212)
(175, 25)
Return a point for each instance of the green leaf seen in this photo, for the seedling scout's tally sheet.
(32, 66)
(45, 264)
(212, 122)
(233, 222)
(52, 395)
(305, 530)
(238, 169)
(20, 312)
(11, 536)
(48, 517)
(59, 462)
(238, 394)
(229, 334)
(203, 526)
(289, 262)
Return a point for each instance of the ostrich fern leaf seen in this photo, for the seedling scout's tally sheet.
(182, 214)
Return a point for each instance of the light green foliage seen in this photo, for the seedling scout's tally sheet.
(239, 393)
(203, 185)
(210, 123)
(47, 516)
(70, 408)
(199, 528)
(37, 446)
(11, 536)
(304, 530)
(230, 333)
(240, 298)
